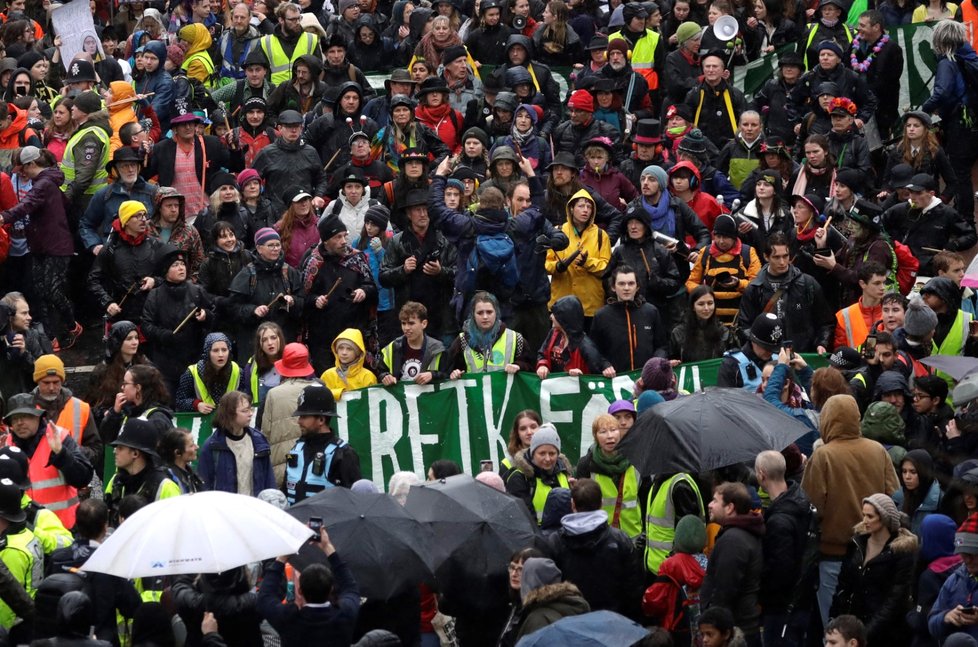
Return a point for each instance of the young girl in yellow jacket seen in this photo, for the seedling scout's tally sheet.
(349, 373)
(578, 269)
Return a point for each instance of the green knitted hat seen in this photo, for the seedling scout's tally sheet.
(690, 535)
(686, 31)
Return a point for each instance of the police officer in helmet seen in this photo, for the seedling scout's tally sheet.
(319, 459)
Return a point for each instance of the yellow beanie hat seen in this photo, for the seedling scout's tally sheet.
(128, 209)
(48, 365)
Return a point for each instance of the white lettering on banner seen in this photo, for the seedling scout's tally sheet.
(465, 450)
(495, 441)
(564, 385)
(411, 394)
(387, 432)
(920, 39)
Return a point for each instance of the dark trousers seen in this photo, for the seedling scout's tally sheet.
(961, 146)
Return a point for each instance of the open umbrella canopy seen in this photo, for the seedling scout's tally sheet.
(595, 629)
(385, 547)
(706, 431)
(207, 532)
(476, 530)
(957, 366)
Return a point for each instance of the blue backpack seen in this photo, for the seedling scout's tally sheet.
(492, 259)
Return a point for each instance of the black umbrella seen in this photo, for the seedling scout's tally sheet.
(706, 431)
(477, 529)
(385, 547)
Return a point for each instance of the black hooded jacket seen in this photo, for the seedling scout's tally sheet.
(373, 57)
(579, 348)
(286, 96)
(797, 299)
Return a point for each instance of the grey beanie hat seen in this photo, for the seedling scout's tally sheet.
(537, 572)
(919, 319)
(887, 510)
(546, 434)
(660, 176)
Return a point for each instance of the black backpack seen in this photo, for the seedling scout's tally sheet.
(969, 70)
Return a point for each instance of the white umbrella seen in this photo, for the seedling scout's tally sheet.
(208, 532)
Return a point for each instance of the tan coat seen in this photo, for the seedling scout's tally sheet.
(843, 471)
(279, 425)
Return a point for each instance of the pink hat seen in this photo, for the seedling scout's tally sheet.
(246, 176)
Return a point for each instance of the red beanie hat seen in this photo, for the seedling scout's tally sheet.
(581, 100)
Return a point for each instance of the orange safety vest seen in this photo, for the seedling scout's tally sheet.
(969, 14)
(48, 485)
(851, 320)
(74, 418)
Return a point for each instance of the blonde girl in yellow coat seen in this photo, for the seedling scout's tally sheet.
(577, 270)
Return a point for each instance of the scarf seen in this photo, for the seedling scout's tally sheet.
(132, 240)
(614, 464)
(432, 117)
(481, 342)
(520, 139)
(801, 183)
(431, 51)
(734, 251)
(663, 218)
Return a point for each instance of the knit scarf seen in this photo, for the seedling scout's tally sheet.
(520, 139)
(431, 51)
(663, 219)
(614, 464)
(802, 182)
(433, 116)
(479, 341)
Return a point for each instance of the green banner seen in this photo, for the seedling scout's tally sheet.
(919, 64)
(407, 426)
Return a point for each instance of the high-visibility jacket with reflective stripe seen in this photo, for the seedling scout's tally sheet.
(281, 64)
(74, 418)
(48, 485)
(643, 56)
(953, 343)
(630, 517)
(201, 389)
(101, 176)
(661, 521)
(46, 526)
(503, 352)
(24, 559)
(851, 320)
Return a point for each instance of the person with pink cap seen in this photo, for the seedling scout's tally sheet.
(277, 422)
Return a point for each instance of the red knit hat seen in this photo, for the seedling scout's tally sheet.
(966, 538)
(581, 100)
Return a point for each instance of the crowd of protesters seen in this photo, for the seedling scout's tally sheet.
(264, 205)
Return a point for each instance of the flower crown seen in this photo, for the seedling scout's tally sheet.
(844, 104)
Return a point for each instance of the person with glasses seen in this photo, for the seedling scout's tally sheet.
(142, 394)
(177, 448)
(122, 275)
(933, 414)
(236, 457)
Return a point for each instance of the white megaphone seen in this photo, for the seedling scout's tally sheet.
(726, 28)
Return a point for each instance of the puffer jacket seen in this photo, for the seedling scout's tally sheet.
(568, 138)
(220, 267)
(217, 465)
(878, 591)
(578, 269)
(842, 472)
(600, 561)
(47, 230)
(655, 268)
(228, 596)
